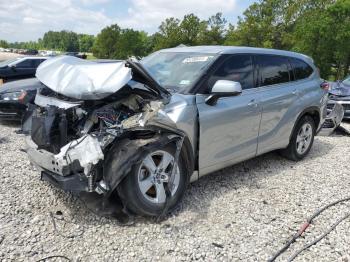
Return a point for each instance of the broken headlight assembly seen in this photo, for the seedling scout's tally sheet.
(14, 96)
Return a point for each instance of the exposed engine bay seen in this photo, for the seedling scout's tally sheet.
(71, 137)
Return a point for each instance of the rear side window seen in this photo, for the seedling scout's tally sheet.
(273, 69)
(301, 69)
(37, 62)
(237, 68)
(28, 63)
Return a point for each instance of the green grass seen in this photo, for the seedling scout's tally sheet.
(90, 56)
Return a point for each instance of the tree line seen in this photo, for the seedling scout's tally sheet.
(318, 28)
(66, 41)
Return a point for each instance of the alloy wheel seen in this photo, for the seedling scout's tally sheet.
(304, 138)
(154, 173)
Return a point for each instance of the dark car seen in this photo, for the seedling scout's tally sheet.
(19, 68)
(76, 54)
(340, 92)
(14, 97)
(31, 52)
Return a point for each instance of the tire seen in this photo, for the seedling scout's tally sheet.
(298, 148)
(152, 202)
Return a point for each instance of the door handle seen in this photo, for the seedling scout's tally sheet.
(253, 103)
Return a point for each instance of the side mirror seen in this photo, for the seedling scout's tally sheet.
(13, 67)
(223, 88)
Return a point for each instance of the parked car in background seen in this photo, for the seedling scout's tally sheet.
(143, 130)
(14, 97)
(19, 68)
(76, 54)
(31, 52)
(340, 92)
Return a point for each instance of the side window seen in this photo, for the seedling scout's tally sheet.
(37, 62)
(301, 69)
(273, 69)
(237, 68)
(28, 63)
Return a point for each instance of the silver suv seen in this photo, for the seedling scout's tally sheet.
(143, 130)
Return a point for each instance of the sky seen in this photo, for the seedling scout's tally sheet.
(25, 20)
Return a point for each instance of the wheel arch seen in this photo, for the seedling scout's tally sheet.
(125, 153)
(313, 112)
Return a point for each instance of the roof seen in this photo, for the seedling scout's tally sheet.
(34, 57)
(234, 50)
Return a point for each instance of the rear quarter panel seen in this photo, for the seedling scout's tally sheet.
(310, 97)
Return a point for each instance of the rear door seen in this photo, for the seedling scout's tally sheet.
(278, 99)
(228, 131)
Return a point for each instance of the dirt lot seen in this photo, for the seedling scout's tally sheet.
(245, 212)
(6, 55)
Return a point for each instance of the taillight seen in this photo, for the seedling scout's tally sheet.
(325, 86)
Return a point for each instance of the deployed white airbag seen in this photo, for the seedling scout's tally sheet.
(81, 79)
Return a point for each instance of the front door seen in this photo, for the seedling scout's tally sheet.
(228, 131)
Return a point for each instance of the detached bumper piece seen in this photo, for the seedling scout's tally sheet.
(335, 114)
(75, 183)
(71, 169)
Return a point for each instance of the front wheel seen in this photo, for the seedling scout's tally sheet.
(143, 190)
(301, 140)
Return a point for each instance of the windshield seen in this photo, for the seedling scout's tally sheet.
(177, 71)
(346, 81)
(6, 62)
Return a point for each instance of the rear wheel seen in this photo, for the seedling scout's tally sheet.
(301, 140)
(143, 191)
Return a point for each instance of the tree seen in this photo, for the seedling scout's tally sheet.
(192, 30)
(63, 41)
(4, 44)
(216, 30)
(86, 42)
(318, 28)
(262, 25)
(325, 35)
(131, 43)
(114, 42)
(105, 43)
(169, 34)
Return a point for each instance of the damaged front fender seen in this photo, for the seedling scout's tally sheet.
(127, 153)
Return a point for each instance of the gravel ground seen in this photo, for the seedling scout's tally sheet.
(245, 212)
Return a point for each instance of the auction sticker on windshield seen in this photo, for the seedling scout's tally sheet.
(196, 59)
(185, 82)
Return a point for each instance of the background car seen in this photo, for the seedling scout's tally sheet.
(340, 92)
(14, 97)
(19, 68)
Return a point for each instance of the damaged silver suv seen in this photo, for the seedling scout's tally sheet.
(143, 130)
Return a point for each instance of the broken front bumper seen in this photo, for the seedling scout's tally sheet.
(73, 183)
(71, 169)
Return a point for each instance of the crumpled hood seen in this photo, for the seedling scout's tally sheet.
(81, 79)
(19, 85)
(339, 89)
